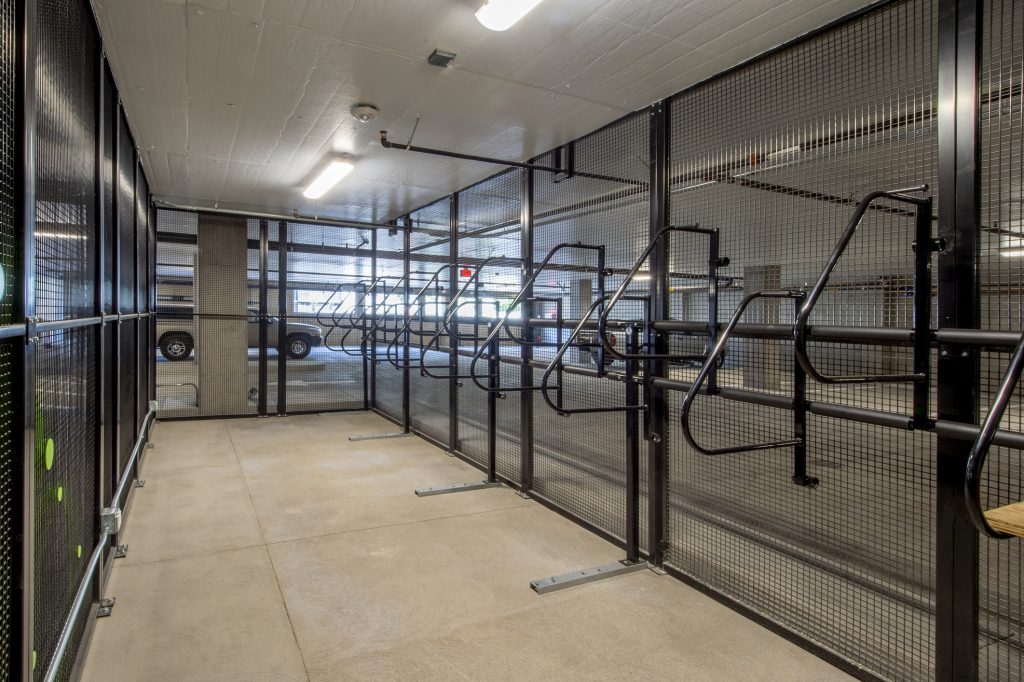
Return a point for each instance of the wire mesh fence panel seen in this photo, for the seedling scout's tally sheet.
(143, 352)
(65, 482)
(327, 268)
(8, 277)
(388, 310)
(1001, 276)
(430, 387)
(177, 376)
(580, 460)
(64, 410)
(849, 564)
(490, 244)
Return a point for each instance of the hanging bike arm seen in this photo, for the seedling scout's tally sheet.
(556, 362)
(980, 449)
(923, 248)
(798, 443)
(714, 262)
(520, 298)
(377, 322)
(452, 311)
(409, 317)
(334, 325)
(351, 317)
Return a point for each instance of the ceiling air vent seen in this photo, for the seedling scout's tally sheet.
(441, 58)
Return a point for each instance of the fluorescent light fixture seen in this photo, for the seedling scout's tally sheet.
(1011, 253)
(328, 178)
(61, 235)
(499, 15)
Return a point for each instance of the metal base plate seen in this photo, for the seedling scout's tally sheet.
(588, 575)
(106, 607)
(379, 436)
(457, 488)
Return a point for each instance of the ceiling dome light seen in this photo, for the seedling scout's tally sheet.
(499, 15)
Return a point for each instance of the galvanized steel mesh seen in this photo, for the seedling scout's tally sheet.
(848, 565)
(1001, 135)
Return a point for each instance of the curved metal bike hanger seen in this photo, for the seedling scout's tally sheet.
(923, 247)
(798, 402)
(714, 262)
(505, 325)
(980, 449)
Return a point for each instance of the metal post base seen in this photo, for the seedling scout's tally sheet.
(457, 488)
(588, 575)
(379, 436)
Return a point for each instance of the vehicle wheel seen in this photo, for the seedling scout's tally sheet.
(176, 347)
(298, 346)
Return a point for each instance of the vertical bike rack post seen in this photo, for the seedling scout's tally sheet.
(631, 410)
(798, 403)
(633, 449)
(492, 444)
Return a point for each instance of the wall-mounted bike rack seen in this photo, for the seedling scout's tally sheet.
(636, 352)
(799, 440)
(523, 301)
(924, 246)
(1006, 521)
(805, 301)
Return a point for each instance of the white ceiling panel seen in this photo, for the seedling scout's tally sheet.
(236, 103)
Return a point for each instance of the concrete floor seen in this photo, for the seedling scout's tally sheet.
(275, 549)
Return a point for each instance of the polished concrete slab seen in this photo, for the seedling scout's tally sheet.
(304, 555)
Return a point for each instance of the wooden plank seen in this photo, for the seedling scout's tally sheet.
(1008, 519)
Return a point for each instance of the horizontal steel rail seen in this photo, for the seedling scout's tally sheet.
(85, 586)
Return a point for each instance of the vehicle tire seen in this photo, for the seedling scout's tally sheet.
(176, 347)
(299, 346)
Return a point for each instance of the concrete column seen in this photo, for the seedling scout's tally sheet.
(760, 357)
(221, 289)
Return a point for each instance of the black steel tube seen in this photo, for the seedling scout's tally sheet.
(922, 312)
(957, 398)
(387, 144)
(453, 343)
(632, 450)
(494, 373)
(23, 370)
(370, 368)
(800, 476)
(282, 318)
(261, 396)
(525, 350)
(404, 336)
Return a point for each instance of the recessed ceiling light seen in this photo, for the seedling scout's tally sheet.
(332, 173)
(499, 15)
